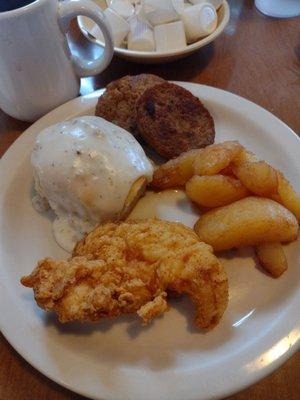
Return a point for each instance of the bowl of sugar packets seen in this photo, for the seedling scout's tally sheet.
(155, 31)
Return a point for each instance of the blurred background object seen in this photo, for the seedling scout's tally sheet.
(155, 34)
(279, 8)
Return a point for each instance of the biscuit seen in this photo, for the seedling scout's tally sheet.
(117, 104)
(172, 120)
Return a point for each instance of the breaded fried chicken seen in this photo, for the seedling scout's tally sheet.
(128, 267)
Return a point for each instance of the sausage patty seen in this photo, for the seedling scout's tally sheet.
(118, 103)
(172, 120)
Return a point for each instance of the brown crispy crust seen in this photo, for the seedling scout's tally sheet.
(117, 104)
(129, 267)
(172, 120)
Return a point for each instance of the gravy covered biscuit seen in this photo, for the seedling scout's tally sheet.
(118, 103)
(172, 120)
(88, 171)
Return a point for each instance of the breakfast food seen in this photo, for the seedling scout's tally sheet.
(92, 173)
(215, 190)
(172, 120)
(136, 191)
(287, 196)
(264, 180)
(226, 175)
(88, 171)
(118, 103)
(247, 222)
(208, 161)
(259, 177)
(272, 258)
(214, 159)
(175, 172)
(168, 117)
(156, 25)
(128, 267)
(231, 159)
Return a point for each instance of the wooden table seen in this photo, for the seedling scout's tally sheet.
(256, 57)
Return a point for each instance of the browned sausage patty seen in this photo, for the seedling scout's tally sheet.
(118, 103)
(172, 120)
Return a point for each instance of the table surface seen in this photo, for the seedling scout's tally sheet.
(256, 57)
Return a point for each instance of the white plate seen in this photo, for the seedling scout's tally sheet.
(169, 359)
(86, 25)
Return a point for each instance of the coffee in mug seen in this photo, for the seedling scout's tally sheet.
(8, 5)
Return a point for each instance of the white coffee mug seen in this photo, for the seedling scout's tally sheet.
(37, 70)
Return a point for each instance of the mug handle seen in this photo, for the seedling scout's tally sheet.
(70, 9)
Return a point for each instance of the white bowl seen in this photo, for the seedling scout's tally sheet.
(149, 57)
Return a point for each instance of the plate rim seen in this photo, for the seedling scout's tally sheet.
(90, 99)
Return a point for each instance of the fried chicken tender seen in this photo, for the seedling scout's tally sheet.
(129, 267)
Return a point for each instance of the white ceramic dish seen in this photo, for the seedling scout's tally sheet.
(149, 57)
(169, 359)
